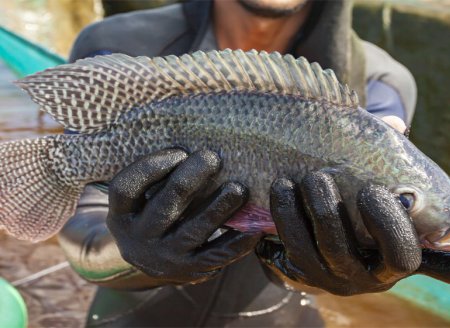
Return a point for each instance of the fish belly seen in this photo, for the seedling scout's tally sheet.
(259, 137)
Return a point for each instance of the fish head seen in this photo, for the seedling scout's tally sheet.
(421, 186)
(427, 201)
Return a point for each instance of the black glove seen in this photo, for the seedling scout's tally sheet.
(157, 229)
(435, 264)
(319, 248)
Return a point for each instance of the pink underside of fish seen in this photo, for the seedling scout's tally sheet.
(252, 218)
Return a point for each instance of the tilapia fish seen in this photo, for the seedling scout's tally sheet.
(267, 115)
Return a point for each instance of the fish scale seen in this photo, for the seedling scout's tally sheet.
(267, 116)
(264, 127)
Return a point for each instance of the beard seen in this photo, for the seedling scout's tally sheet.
(270, 11)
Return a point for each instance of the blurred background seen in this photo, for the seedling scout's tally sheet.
(35, 34)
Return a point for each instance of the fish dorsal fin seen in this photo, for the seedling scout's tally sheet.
(92, 93)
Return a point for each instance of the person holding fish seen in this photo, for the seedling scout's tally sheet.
(160, 248)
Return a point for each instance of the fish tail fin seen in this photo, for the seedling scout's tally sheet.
(34, 202)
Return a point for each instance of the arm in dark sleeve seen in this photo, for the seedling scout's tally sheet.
(91, 250)
(383, 100)
(138, 33)
(82, 46)
(390, 85)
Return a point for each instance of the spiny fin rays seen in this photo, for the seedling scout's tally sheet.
(91, 94)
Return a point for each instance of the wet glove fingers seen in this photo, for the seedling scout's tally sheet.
(296, 234)
(288, 216)
(167, 236)
(302, 260)
(127, 189)
(171, 201)
(225, 249)
(194, 231)
(396, 237)
(332, 229)
(435, 264)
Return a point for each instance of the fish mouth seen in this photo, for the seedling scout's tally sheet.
(439, 240)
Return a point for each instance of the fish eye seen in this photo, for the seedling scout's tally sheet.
(408, 200)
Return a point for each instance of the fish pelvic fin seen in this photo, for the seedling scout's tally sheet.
(91, 94)
(34, 204)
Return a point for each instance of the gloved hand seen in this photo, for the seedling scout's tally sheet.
(318, 246)
(435, 264)
(160, 233)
